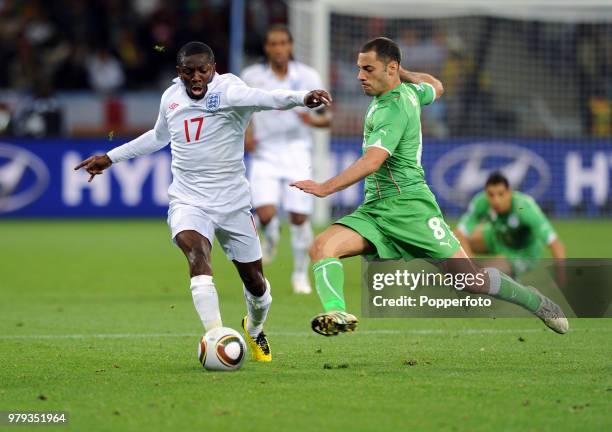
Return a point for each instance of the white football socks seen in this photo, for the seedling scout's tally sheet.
(301, 238)
(206, 301)
(257, 308)
(494, 280)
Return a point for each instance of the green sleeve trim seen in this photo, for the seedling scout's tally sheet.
(432, 93)
(379, 145)
(425, 92)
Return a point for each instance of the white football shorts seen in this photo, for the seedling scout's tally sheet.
(270, 176)
(235, 230)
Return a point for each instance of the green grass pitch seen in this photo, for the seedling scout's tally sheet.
(96, 319)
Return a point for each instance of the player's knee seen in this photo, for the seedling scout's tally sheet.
(265, 220)
(265, 214)
(199, 260)
(320, 249)
(315, 251)
(297, 219)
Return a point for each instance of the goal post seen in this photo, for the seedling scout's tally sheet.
(310, 29)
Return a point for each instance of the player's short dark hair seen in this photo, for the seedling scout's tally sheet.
(497, 177)
(194, 47)
(386, 50)
(279, 28)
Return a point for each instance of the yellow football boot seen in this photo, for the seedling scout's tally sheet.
(260, 348)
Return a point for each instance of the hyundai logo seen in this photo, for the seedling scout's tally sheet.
(24, 177)
(459, 174)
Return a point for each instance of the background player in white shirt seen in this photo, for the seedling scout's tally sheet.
(204, 115)
(280, 144)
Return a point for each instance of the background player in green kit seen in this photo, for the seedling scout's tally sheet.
(509, 225)
(399, 217)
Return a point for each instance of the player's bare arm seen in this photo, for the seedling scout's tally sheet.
(419, 77)
(95, 165)
(318, 119)
(557, 249)
(370, 162)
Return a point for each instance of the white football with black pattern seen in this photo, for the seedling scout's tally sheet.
(221, 349)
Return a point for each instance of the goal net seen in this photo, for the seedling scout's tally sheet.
(528, 88)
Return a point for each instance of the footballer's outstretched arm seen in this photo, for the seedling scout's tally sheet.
(370, 162)
(258, 99)
(419, 77)
(146, 143)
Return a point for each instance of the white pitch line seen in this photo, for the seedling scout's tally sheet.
(300, 334)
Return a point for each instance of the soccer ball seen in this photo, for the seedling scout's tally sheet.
(221, 349)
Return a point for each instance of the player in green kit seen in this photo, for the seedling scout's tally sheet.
(507, 224)
(399, 218)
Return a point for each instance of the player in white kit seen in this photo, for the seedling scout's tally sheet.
(280, 146)
(204, 115)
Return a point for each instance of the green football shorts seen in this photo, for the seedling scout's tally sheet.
(521, 260)
(404, 226)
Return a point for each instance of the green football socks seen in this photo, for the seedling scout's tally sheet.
(329, 282)
(503, 287)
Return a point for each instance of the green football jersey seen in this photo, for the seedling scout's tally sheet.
(524, 227)
(393, 123)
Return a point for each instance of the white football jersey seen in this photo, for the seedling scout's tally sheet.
(207, 140)
(274, 131)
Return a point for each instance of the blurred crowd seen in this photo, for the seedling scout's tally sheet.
(503, 78)
(107, 45)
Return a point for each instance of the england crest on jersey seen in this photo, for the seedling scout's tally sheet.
(213, 101)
